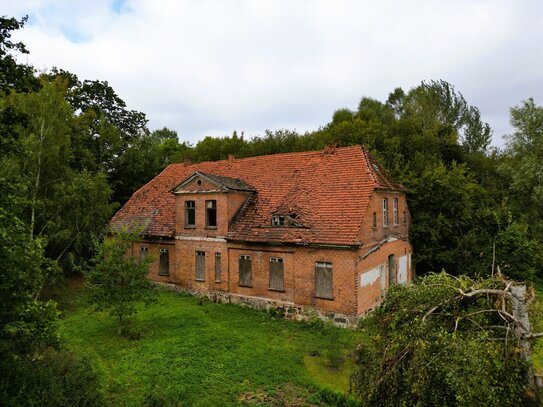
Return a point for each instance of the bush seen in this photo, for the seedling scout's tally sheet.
(56, 379)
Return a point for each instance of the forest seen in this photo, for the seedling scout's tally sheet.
(72, 153)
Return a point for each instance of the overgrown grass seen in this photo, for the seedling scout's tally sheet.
(185, 351)
(536, 319)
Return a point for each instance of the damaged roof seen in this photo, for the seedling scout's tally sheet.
(328, 191)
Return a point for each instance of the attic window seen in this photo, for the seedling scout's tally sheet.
(278, 221)
(285, 220)
(375, 167)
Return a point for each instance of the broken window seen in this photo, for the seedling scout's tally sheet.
(144, 251)
(245, 271)
(190, 213)
(164, 268)
(276, 274)
(385, 212)
(211, 214)
(200, 266)
(323, 280)
(217, 267)
(391, 270)
(395, 211)
(278, 221)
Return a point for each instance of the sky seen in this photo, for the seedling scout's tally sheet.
(207, 67)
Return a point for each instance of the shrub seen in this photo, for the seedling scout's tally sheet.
(56, 379)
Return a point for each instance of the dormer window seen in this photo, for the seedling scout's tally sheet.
(278, 221)
(211, 214)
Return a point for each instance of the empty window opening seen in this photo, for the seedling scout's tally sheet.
(200, 266)
(245, 271)
(211, 214)
(374, 223)
(395, 211)
(323, 280)
(277, 277)
(278, 221)
(164, 268)
(144, 251)
(385, 212)
(404, 217)
(217, 267)
(190, 213)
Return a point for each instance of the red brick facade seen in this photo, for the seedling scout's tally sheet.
(369, 250)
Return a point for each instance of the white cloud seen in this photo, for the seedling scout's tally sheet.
(207, 67)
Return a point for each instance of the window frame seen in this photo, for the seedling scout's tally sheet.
(245, 257)
(278, 221)
(200, 275)
(164, 264)
(281, 261)
(385, 212)
(190, 209)
(319, 266)
(395, 218)
(144, 252)
(218, 267)
(213, 203)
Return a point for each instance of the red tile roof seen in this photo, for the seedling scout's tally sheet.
(329, 191)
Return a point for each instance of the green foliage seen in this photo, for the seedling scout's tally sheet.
(522, 165)
(517, 255)
(432, 346)
(118, 282)
(27, 325)
(14, 76)
(56, 379)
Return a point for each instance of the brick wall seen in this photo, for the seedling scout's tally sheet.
(349, 296)
(369, 233)
(370, 294)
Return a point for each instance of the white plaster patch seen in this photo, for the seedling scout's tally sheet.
(402, 272)
(369, 277)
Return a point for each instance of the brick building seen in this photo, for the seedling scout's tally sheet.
(326, 230)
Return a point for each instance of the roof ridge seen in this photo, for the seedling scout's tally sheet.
(313, 152)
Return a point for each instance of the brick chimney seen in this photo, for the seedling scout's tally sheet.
(231, 157)
(330, 149)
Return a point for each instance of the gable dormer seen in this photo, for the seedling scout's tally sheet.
(205, 204)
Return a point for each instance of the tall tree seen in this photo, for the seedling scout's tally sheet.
(522, 165)
(14, 76)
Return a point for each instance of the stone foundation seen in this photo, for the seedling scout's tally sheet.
(286, 309)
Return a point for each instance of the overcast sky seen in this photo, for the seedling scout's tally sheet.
(206, 68)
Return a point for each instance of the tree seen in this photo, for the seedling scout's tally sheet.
(27, 324)
(522, 165)
(63, 204)
(14, 76)
(118, 282)
(449, 341)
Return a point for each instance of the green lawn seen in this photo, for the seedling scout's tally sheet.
(210, 354)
